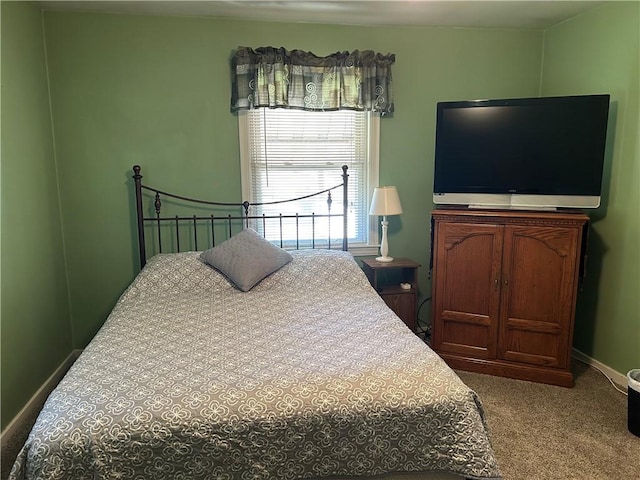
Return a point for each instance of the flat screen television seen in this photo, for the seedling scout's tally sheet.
(530, 153)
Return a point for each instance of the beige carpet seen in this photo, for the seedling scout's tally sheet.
(548, 433)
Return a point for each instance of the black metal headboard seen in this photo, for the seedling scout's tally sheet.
(193, 222)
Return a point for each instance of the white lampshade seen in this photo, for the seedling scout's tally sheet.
(385, 201)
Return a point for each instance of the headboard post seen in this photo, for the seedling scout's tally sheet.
(345, 207)
(137, 178)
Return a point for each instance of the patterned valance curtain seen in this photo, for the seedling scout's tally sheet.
(277, 78)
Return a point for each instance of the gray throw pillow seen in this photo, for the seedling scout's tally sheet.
(246, 258)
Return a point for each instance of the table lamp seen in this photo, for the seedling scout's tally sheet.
(385, 202)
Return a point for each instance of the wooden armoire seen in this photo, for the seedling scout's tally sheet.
(504, 291)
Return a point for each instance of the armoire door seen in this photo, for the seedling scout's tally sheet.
(538, 289)
(467, 289)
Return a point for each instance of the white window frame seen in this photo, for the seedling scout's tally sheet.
(371, 246)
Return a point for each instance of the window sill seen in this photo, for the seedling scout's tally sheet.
(364, 250)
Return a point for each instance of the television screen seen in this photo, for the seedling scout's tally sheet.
(524, 152)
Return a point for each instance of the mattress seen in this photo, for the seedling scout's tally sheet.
(307, 375)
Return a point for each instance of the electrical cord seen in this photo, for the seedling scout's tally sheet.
(604, 374)
(424, 332)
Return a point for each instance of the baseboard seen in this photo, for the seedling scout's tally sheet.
(37, 400)
(620, 379)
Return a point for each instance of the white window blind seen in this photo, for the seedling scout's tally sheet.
(292, 153)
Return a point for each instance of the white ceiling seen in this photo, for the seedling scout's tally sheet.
(452, 13)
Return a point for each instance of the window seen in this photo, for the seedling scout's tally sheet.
(291, 153)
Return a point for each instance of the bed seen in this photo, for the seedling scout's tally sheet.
(307, 374)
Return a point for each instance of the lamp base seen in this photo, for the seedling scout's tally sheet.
(384, 259)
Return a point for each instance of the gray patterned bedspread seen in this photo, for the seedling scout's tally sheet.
(307, 375)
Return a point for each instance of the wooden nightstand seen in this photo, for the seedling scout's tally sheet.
(386, 279)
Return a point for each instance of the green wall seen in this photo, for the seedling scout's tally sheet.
(36, 331)
(156, 91)
(598, 52)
